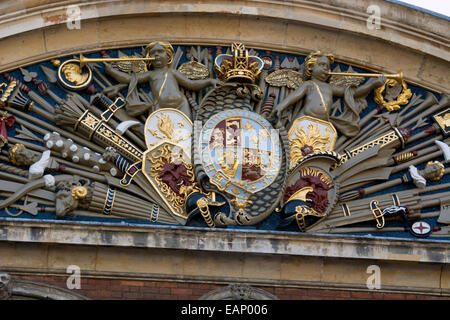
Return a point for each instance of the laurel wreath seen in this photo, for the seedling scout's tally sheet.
(393, 105)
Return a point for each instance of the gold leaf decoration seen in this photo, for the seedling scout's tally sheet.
(346, 81)
(165, 125)
(194, 70)
(312, 139)
(73, 73)
(130, 66)
(285, 78)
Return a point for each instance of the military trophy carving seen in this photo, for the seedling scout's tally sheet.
(268, 142)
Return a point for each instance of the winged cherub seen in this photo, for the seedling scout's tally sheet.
(318, 94)
(164, 82)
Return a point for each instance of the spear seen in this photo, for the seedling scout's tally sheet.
(42, 87)
(424, 108)
(414, 100)
(20, 116)
(362, 136)
(34, 96)
(379, 187)
(340, 143)
(431, 130)
(377, 110)
(362, 230)
(443, 232)
(418, 153)
(420, 145)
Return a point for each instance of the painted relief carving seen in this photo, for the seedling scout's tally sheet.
(200, 136)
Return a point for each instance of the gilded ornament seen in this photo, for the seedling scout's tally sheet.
(306, 143)
(346, 81)
(285, 78)
(174, 177)
(319, 136)
(237, 154)
(7, 92)
(79, 192)
(443, 120)
(161, 126)
(73, 76)
(73, 73)
(439, 165)
(12, 153)
(194, 70)
(402, 99)
(129, 66)
(55, 62)
(239, 67)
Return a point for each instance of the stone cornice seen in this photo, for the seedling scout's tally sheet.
(231, 240)
(419, 31)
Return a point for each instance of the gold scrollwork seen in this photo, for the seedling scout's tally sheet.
(202, 205)
(158, 158)
(377, 214)
(9, 89)
(444, 121)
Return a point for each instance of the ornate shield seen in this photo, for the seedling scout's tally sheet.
(169, 125)
(241, 153)
(308, 135)
(167, 161)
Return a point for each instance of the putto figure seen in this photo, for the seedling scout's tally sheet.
(318, 93)
(164, 82)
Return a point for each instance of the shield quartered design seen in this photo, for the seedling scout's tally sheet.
(241, 153)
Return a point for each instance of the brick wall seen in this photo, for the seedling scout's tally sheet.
(101, 289)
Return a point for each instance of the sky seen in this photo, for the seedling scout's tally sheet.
(440, 6)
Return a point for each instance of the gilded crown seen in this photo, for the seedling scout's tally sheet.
(239, 66)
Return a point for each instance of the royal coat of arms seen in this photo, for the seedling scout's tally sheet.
(152, 135)
(241, 155)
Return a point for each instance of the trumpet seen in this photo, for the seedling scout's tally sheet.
(84, 61)
(75, 74)
(396, 76)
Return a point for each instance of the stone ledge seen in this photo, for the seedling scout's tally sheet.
(237, 241)
(411, 288)
(430, 37)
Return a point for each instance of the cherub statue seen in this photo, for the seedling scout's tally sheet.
(318, 94)
(164, 82)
